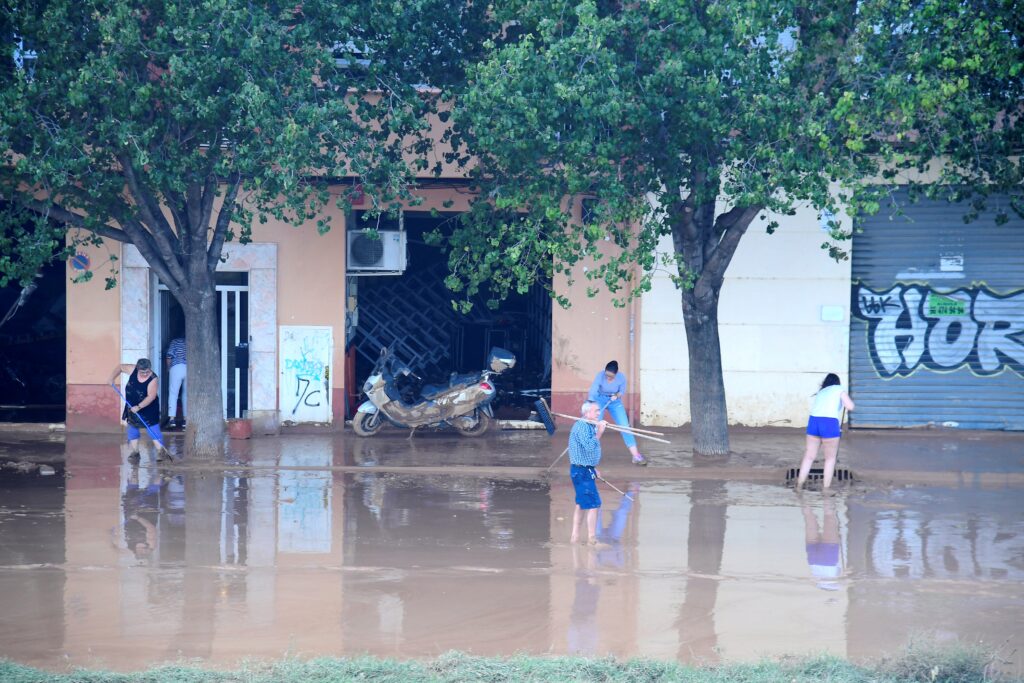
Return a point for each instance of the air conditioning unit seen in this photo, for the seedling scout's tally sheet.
(383, 254)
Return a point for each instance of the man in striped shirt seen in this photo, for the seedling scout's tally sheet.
(584, 456)
(177, 371)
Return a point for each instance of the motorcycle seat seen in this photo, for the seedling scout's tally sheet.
(468, 378)
(432, 390)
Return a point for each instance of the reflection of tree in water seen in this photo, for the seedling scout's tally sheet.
(705, 542)
(202, 555)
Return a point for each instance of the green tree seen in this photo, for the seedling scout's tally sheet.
(695, 119)
(173, 124)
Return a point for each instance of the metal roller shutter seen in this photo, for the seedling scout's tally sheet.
(937, 319)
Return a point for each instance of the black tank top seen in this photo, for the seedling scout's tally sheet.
(135, 392)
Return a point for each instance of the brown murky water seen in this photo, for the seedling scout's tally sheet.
(123, 567)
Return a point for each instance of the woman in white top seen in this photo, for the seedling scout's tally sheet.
(823, 428)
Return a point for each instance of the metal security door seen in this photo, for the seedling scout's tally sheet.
(937, 324)
(234, 348)
(232, 330)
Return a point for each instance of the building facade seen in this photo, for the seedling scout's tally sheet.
(924, 324)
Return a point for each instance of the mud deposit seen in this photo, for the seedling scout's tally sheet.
(122, 566)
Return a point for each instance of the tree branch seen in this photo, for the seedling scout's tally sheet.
(144, 242)
(66, 217)
(166, 241)
(227, 209)
(179, 214)
(714, 270)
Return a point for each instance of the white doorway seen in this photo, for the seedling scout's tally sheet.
(233, 332)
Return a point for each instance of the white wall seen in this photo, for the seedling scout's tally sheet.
(775, 346)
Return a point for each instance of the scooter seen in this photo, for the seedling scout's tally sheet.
(464, 403)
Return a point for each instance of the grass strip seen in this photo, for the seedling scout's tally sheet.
(919, 663)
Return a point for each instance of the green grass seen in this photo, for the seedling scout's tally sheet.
(918, 664)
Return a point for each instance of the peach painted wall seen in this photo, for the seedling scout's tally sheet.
(584, 337)
(311, 284)
(311, 291)
(93, 345)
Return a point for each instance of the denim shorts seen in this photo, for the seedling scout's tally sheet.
(823, 427)
(584, 480)
(133, 433)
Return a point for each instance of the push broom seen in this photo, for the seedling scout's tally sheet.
(159, 444)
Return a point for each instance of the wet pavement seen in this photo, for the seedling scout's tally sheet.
(332, 545)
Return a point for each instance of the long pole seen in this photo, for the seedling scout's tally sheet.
(616, 488)
(616, 428)
(635, 430)
(559, 458)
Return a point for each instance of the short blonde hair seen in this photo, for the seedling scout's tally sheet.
(585, 408)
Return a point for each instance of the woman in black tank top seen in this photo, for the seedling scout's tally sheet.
(142, 393)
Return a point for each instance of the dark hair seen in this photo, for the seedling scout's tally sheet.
(613, 366)
(831, 380)
(143, 364)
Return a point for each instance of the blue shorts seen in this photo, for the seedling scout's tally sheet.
(823, 427)
(584, 480)
(134, 433)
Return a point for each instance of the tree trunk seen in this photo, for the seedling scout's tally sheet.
(708, 414)
(204, 436)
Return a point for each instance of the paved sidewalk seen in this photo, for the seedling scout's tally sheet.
(947, 457)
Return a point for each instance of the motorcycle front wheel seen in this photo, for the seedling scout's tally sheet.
(472, 425)
(367, 424)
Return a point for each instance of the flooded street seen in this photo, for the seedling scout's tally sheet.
(295, 551)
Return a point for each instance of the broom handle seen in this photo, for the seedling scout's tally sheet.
(615, 427)
(643, 431)
(616, 488)
(635, 430)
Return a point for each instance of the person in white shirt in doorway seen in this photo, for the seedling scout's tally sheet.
(823, 429)
(177, 370)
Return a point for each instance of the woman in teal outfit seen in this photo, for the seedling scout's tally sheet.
(607, 391)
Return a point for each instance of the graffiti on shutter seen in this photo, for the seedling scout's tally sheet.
(913, 325)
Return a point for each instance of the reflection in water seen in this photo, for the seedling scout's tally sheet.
(611, 551)
(698, 639)
(451, 562)
(304, 504)
(582, 635)
(141, 512)
(824, 555)
(597, 567)
(132, 565)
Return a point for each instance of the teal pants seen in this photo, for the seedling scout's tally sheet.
(618, 414)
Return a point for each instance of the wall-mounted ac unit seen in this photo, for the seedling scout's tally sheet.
(384, 254)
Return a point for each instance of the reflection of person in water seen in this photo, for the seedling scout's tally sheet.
(583, 617)
(610, 552)
(823, 552)
(141, 511)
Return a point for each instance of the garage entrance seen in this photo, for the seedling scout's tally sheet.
(937, 331)
(409, 310)
(33, 339)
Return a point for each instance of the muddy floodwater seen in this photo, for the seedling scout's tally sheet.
(106, 564)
